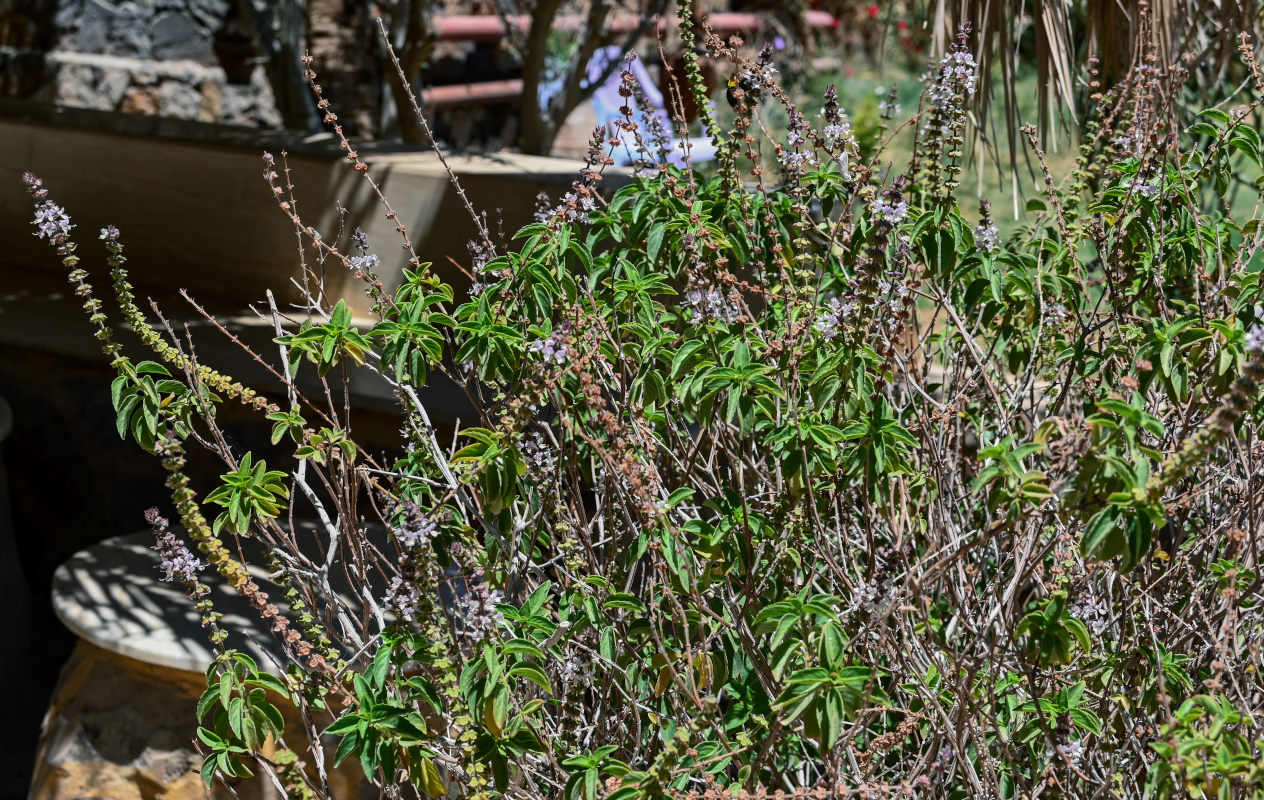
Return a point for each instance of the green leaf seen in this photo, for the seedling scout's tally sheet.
(208, 770)
(534, 674)
(344, 724)
(431, 783)
(833, 644)
(1103, 539)
(654, 242)
(346, 748)
(522, 646)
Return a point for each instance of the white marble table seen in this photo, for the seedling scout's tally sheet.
(111, 595)
(121, 724)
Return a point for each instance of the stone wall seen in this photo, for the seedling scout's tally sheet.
(188, 59)
(205, 60)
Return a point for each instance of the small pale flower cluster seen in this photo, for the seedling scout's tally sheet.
(109, 234)
(415, 528)
(366, 263)
(760, 77)
(575, 670)
(551, 348)
(796, 160)
(871, 597)
(481, 253)
(543, 207)
(177, 562)
(1072, 751)
(574, 207)
(956, 79)
(898, 289)
(540, 457)
(360, 240)
(269, 173)
(1093, 613)
(792, 156)
(477, 612)
(166, 447)
(405, 598)
(835, 314)
(987, 237)
(1129, 144)
(898, 292)
(1147, 189)
(710, 303)
(52, 220)
(891, 212)
(1056, 310)
(1255, 339)
(837, 135)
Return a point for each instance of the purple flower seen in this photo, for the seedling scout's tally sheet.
(1072, 751)
(480, 254)
(477, 612)
(52, 220)
(540, 457)
(796, 161)
(360, 240)
(405, 598)
(893, 212)
(832, 317)
(177, 562)
(707, 302)
(416, 529)
(986, 237)
(551, 348)
(1147, 189)
(837, 133)
(364, 263)
(543, 207)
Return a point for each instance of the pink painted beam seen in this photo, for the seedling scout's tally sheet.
(490, 28)
(466, 94)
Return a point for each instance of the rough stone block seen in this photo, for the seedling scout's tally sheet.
(177, 37)
(178, 99)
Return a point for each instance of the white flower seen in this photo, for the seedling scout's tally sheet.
(551, 348)
(892, 213)
(1147, 189)
(986, 238)
(836, 312)
(52, 221)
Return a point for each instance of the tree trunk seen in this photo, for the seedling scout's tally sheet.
(538, 126)
(280, 32)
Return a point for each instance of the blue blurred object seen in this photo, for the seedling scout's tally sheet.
(606, 102)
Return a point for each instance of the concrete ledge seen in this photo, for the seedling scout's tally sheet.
(196, 213)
